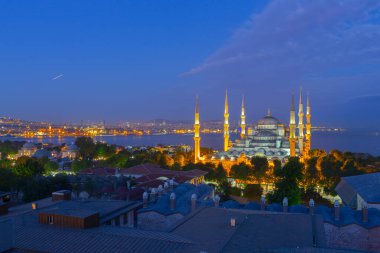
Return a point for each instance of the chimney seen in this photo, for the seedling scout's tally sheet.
(336, 210)
(160, 190)
(216, 200)
(285, 205)
(233, 222)
(311, 206)
(262, 203)
(145, 199)
(171, 184)
(364, 211)
(166, 187)
(34, 206)
(153, 194)
(193, 202)
(172, 201)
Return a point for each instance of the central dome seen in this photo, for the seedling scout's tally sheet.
(268, 120)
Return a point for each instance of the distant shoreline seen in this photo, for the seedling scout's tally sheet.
(352, 141)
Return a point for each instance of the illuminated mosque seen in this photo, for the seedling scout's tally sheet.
(269, 137)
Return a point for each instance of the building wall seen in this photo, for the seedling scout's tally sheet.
(353, 237)
(70, 221)
(377, 206)
(61, 196)
(3, 209)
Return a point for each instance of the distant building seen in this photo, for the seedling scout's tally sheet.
(90, 213)
(28, 149)
(356, 190)
(150, 175)
(70, 151)
(153, 175)
(42, 153)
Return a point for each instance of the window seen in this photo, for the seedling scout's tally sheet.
(50, 219)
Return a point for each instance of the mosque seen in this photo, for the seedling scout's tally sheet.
(269, 137)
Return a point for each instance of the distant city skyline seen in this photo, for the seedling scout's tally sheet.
(69, 61)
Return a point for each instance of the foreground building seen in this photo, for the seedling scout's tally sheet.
(269, 137)
(359, 191)
(186, 219)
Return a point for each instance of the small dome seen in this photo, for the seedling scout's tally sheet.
(72, 148)
(42, 153)
(29, 145)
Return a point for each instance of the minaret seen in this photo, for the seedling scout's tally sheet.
(242, 124)
(197, 138)
(300, 125)
(308, 129)
(292, 130)
(226, 125)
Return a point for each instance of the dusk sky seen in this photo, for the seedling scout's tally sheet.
(69, 60)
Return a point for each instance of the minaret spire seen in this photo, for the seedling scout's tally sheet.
(226, 134)
(308, 128)
(242, 124)
(197, 138)
(292, 129)
(300, 125)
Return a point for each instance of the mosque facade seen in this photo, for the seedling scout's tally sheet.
(268, 137)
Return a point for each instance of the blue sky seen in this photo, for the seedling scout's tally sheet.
(69, 60)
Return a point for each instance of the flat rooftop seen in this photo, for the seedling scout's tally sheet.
(210, 229)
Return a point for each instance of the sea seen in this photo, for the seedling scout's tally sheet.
(353, 141)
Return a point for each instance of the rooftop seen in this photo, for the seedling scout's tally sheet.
(367, 186)
(254, 230)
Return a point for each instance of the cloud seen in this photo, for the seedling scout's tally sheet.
(310, 37)
(57, 77)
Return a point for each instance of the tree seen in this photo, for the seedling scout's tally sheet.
(253, 191)
(241, 171)
(37, 188)
(60, 182)
(224, 190)
(8, 147)
(50, 167)
(6, 179)
(331, 172)
(118, 160)
(312, 175)
(276, 164)
(166, 160)
(90, 187)
(78, 165)
(220, 173)
(28, 167)
(287, 185)
(103, 150)
(260, 168)
(5, 163)
(179, 158)
(349, 168)
(86, 147)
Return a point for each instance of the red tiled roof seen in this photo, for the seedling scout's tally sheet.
(143, 169)
(99, 171)
(149, 174)
(151, 184)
